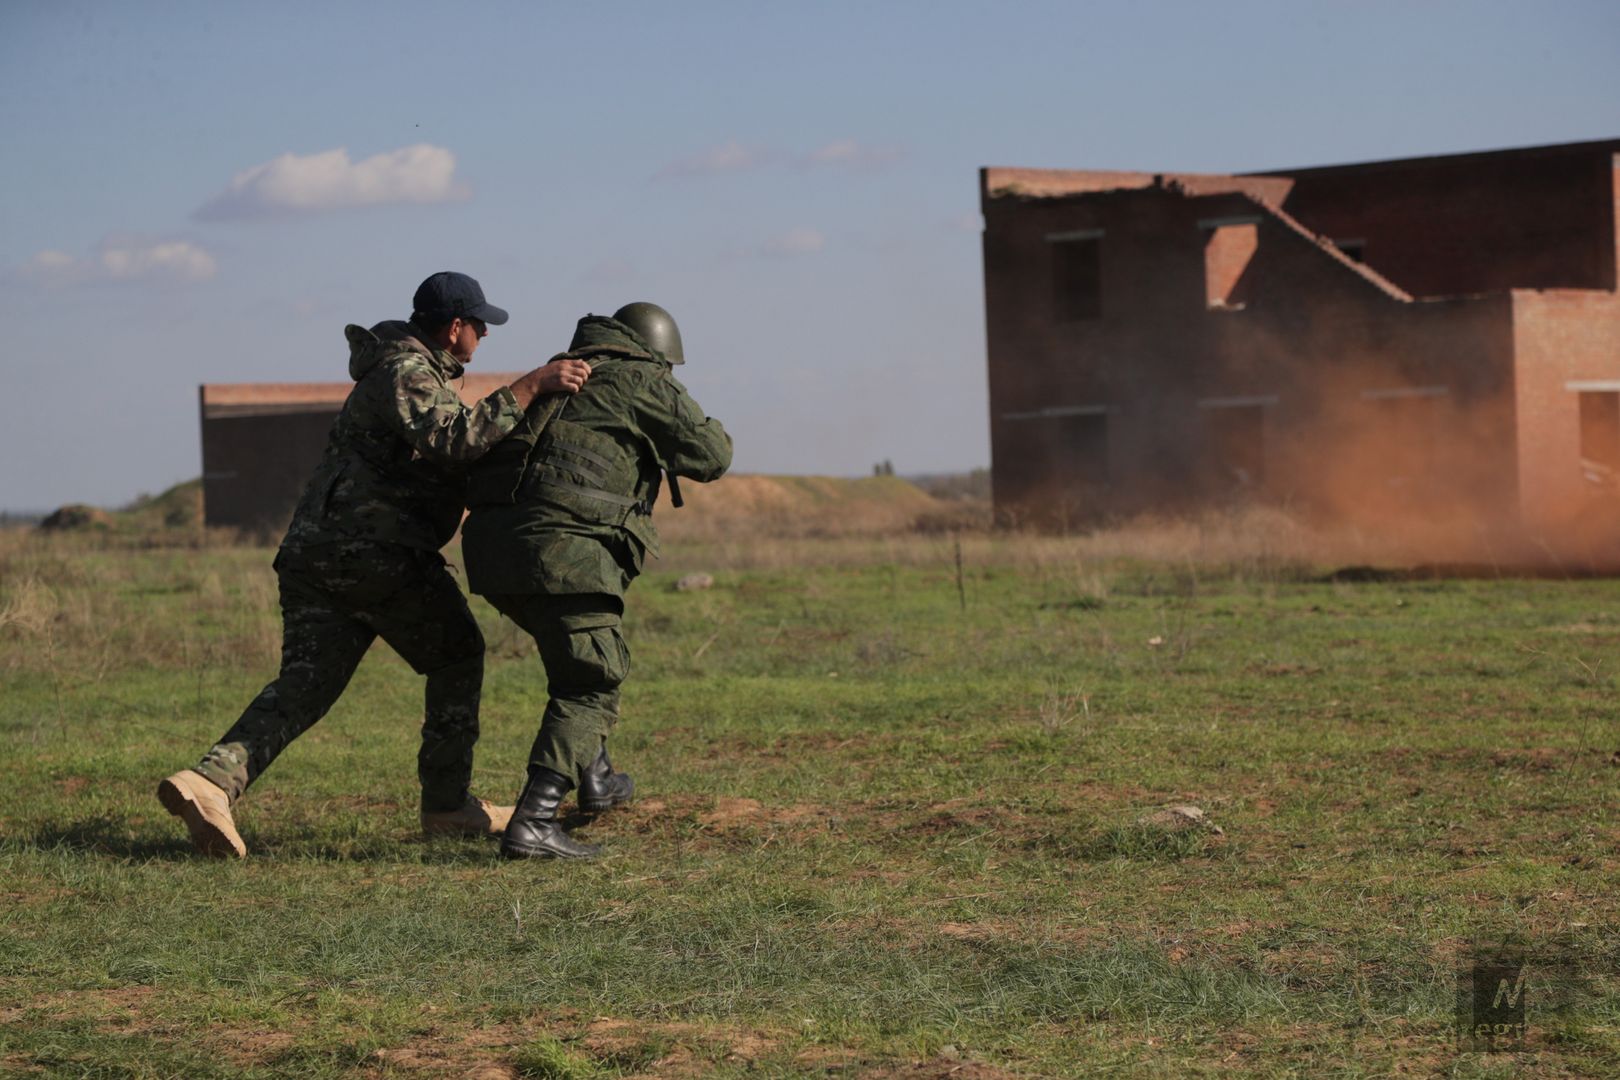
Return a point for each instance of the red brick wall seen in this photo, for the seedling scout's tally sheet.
(1560, 337)
(1542, 218)
(255, 466)
(1313, 334)
(261, 441)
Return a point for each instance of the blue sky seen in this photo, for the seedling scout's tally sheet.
(208, 192)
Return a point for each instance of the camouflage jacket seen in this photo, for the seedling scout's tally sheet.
(394, 466)
(568, 509)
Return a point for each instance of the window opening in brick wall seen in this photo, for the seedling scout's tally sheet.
(1057, 452)
(1077, 275)
(1600, 435)
(1055, 460)
(1229, 244)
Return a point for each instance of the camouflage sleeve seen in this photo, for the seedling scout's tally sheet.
(692, 445)
(433, 420)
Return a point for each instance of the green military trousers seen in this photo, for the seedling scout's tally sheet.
(336, 599)
(586, 658)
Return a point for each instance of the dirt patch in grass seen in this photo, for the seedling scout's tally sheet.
(980, 931)
(625, 1047)
(1262, 807)
(1587, 629)
(673, 1049)
(725, 814)
(608, 1035)
(42, 895)
(1535, 759)
(645, 816)
(445, 1059)
(1274, 671)
(956, 815)
(251, 1046)
(1406, 762)
(729, 812)
(130, 1000)
(970, 814)
(937, 1068)
(107, 1003)
(798, 636)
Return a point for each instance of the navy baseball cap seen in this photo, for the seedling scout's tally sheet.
(449, 295)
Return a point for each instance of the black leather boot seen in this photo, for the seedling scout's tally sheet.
(601, 788)
(534, 831)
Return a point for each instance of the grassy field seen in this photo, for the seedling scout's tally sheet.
(888, 826)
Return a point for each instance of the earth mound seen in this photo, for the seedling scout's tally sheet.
(76, 517)
(178, 508)
(806, 506)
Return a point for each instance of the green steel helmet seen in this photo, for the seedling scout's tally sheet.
(656, 327)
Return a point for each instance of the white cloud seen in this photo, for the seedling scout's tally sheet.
(49, 262)
(800, 241)
(294, 184)
(849, 153)
(123, 260)
(729, 157)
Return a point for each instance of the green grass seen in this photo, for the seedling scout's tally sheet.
(885, 826)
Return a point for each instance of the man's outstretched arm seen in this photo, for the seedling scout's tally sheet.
(436, 423)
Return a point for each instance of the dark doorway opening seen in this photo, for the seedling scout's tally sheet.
(1053, 466)
(1237, 441)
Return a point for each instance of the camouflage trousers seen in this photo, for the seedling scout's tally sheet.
(336, 599)
(586, 658)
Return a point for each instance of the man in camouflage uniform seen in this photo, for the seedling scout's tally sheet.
(560, 523)
(361, 560)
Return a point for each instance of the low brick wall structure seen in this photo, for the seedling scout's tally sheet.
(261, 441)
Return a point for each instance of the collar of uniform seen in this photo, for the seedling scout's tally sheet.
(443, 359)
(597, 334)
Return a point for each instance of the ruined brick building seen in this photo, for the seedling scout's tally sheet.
(261, 441)
(1437, 334)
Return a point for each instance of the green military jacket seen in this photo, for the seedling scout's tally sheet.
(565, 505)
(394, 467)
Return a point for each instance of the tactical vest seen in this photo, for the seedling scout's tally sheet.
(561, 469)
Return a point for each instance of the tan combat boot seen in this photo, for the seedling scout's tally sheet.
(476, 817)
(194, 799)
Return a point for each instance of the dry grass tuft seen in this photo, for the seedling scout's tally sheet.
(29, 607)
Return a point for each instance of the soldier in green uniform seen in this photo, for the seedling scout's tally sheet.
(361, 561)
(560, 524)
